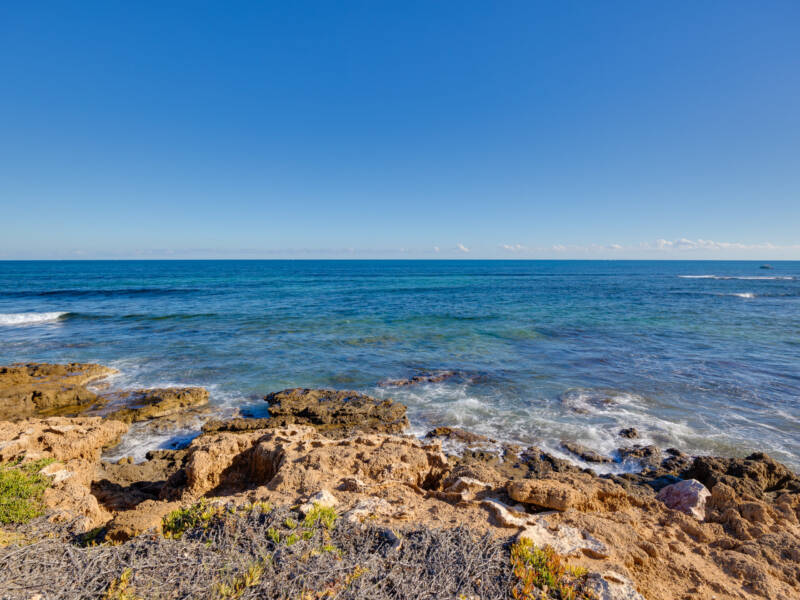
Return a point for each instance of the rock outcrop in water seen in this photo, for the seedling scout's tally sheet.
(143, 405)
(39, 389)
(335, 413)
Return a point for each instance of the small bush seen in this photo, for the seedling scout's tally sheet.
(121, 588)
(320, 514)
(540, 570)
(21, 490)
(181, 520)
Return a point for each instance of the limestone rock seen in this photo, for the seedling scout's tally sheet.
(688, 496)
(336, 410)
(144, 404)
(612, 586)
(630, 432)
(76, 445)
(40, 389)
(147, 516)
(546, 493)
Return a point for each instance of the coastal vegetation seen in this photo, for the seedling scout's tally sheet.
(21, 489)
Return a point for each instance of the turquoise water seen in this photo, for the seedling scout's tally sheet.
(704, 356)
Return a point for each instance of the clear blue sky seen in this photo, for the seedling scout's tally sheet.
(393, 129)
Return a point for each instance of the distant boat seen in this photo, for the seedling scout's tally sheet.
(765, 267)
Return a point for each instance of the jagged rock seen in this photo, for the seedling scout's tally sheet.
(299, 460)
(333, 413)
(457, 434)
(630, 432)
(688, 496)
(546, 493)
(336, 411)
(585, 453)
(758, 476)
(145, 404)
(40, 389)
(125, 484)
(542, 464)
(76, 445)
(649, 457)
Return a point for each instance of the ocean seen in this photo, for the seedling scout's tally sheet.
(702, 355)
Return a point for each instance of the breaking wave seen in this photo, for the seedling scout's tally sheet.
(29, 318)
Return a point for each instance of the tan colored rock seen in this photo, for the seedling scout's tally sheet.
(147, 516)
(39, 389)
(546, 493)
(76, 445)
(299, 460)
(146, 404)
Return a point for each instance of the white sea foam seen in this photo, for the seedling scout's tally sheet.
(29, 318)
(741, 277)
(744, 295)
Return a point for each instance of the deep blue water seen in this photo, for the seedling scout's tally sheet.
(549, 350)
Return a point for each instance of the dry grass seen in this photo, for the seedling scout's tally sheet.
(248, 555)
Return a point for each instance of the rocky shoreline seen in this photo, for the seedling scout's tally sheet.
(680, 527)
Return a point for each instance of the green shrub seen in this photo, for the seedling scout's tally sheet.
(21, 490)
(181, 520)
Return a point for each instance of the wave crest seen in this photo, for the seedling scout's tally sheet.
(29, 318)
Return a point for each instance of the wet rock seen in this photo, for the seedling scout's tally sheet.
(585, 453)
(433, 377)
(688, 496)
(757, 476)
(541, 464)
(40, 389)
(457, 434)
(336, 411)
(649, 457)
(146, 404)
(631, 433)
(237, 425)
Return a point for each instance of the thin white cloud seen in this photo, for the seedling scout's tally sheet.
(701, 244)
(462, 247)
(436, 248)
(514, 247)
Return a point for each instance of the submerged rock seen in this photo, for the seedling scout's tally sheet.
(630, 432)
(585, 453)
(40, 389)
(425, 378)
